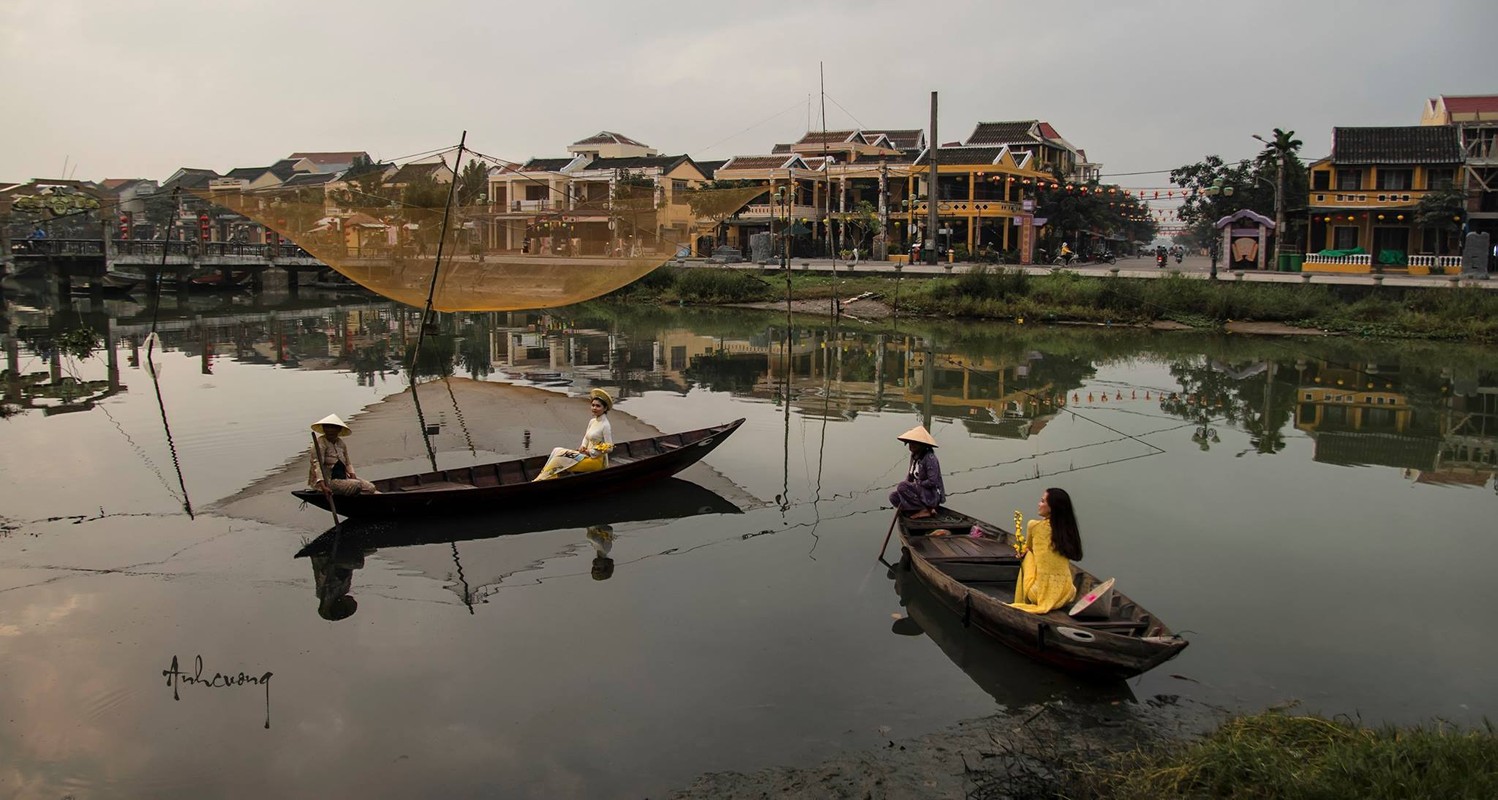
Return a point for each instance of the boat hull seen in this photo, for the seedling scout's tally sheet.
(1116, 648)
(507, 484)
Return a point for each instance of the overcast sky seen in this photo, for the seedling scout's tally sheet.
(138, 88)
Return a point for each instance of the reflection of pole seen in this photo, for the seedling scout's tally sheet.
(1264, 420)
(928, 379)
(421, 422)
(879, 343)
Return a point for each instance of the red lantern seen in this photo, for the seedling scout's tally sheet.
(205, 227)
(124, 226)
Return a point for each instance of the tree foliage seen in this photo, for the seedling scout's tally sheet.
(1442, 210)
(1251, 182)
(473, 182)
(1074, 212)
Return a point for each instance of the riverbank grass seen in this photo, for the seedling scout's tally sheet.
(1277, 755)
(1445, 313)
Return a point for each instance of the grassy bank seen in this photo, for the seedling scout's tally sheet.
(1274, 755)
(1461, 314)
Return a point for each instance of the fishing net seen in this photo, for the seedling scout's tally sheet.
(560, 238)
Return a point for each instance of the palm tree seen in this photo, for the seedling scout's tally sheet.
(1283, 145)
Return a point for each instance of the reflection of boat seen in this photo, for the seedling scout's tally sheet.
(219, 279)
(507, 484)
(119, 278)
(671, 498)
(1012, 679)
(976, 576)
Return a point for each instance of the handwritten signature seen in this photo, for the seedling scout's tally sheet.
(175, 677)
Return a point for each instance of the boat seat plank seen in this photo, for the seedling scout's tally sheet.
(436, 486)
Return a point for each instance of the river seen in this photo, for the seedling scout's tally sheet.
(160, 636)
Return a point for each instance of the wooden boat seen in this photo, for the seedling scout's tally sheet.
(975, 577)
(670, 498)
(1013, 680)
(507, 485)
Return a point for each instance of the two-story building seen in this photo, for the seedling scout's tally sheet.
(1365, 194)
(612, 195)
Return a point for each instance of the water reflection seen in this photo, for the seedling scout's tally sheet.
(1369, 405)
(339, 551)
(1010, 678)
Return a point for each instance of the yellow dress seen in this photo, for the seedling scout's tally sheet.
(1045, 579)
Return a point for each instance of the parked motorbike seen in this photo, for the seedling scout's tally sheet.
(1107, 258)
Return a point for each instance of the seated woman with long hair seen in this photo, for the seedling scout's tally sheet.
(1051, 544)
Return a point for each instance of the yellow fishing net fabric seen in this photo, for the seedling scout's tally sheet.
(564, 243)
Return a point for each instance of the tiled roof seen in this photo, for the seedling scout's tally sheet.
(1471, 103)
(663, 163)
(781, 148)
(410, 172)
(364, 169)
(608, 137)
(710, 167)
(995, 133)
(283, 169)
(770, 162)
(545, 164)
(329, 158)
(830, 137)
(1048, 132)
(957, 156)
(910, 139)
(310, 179)
(1412, 144)
(246, 173)
(192, 178)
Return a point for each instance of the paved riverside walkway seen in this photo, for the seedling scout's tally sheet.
(1191, 267)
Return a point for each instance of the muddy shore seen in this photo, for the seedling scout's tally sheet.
(1020, 753)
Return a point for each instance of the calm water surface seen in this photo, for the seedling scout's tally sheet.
(1316, 516)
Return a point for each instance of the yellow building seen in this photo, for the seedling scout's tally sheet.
(1364, 196)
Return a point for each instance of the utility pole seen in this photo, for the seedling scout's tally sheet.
(931, 193)
(881, 249)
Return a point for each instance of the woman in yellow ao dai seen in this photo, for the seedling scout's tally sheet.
(598, 440)
(1051, 544)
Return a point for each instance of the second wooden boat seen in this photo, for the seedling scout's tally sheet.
(975, 577)
(508, 484)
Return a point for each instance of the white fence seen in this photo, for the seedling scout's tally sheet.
(1362, 260)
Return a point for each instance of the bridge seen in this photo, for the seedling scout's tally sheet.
(88, 261)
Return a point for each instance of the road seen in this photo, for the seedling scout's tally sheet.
(1190, 266)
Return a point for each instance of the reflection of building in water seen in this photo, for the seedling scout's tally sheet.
(56, 391)
(1436, 427)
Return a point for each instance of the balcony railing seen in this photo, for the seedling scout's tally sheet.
(768, 210)
(534, 205)
(1366, 198)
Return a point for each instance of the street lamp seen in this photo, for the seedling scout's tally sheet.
(1279, 189)
(1219, 188)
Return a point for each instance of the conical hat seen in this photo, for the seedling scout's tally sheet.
(332, 419)
(599, 394)
(918, 434)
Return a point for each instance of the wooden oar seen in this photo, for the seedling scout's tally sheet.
(327, 489)
(889, 533)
